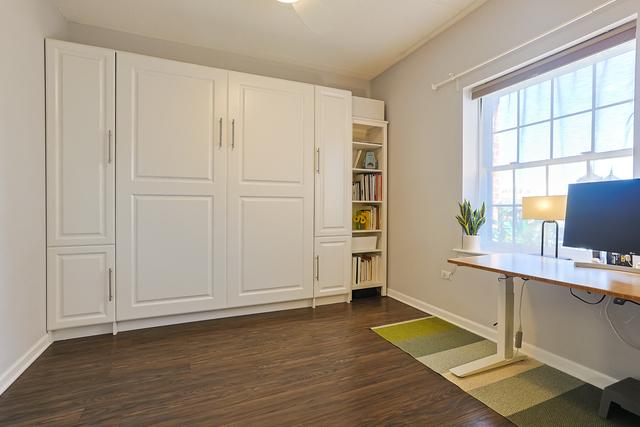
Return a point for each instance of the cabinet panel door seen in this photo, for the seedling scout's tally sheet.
(171, 211)
(80, 286)
(80, 137)
(333, 266)
(333, 129)
(270, 190)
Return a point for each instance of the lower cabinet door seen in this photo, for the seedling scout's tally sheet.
(80, 286)
(333, 266)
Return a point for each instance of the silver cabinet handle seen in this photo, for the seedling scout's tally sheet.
(317, 267)
(110, 286)
(220, 133)
(109, 146)
(318, 160)
(233, 134)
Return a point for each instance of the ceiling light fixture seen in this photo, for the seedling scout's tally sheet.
(287, 1)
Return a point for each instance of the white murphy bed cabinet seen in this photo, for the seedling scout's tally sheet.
(226, 190)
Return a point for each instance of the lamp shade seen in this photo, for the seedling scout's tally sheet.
(547, 208)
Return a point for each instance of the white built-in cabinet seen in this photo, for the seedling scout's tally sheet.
(270, 186)
(80, 96)
(224, 189)
(171, 201)
(333, 162)
(333, 118)
(333, 266)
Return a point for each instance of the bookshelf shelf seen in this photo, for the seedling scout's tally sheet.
(370, 266)
(361, 170)
(367, 145)
(370, 251)
(367, 285)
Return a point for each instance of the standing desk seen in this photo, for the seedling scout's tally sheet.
(550, 271)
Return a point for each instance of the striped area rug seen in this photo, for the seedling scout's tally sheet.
(528, 393)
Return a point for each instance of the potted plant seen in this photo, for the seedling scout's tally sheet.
(471, 220)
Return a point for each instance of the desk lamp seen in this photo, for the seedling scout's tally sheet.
(548, 209)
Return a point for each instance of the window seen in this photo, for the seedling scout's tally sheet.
(572, 124)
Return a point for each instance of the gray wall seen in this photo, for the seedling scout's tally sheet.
(102, 37)
(23, 26)
(425, 181)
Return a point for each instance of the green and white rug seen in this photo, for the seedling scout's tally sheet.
(528, 393)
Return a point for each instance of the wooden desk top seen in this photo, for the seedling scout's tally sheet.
(558, 272)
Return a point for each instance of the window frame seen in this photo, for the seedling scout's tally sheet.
(485, 143)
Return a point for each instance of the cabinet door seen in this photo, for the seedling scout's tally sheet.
(171, 210)
(80, 286)
(80, 137)
(333, 266)
(333, 127)
(270, 190)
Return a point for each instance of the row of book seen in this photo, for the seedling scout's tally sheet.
(367, 218)
(365, 268)
(367, 187)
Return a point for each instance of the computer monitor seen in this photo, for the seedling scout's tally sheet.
(604, 216)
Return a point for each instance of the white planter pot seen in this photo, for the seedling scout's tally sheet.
(471, 243)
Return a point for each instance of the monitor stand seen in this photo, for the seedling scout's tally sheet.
(602, 266)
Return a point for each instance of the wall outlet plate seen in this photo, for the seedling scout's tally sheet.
(446, 275)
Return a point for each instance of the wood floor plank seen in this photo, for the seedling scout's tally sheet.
(296, 367)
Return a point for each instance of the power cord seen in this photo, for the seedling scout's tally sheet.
(615, 329)
(588, 302)
(519, 334)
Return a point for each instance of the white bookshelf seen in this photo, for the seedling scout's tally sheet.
(371, 135)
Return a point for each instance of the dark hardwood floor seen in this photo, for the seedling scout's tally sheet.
(298, 367)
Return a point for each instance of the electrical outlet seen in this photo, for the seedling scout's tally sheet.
(446, 275)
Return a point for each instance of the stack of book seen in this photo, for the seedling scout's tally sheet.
(367, 187)
(365, 269)
(367, 218)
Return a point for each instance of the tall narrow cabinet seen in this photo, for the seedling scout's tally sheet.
(332, 270)
(80, 106)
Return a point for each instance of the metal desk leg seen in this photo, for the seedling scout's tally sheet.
(504, 356)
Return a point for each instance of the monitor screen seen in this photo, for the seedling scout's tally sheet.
(604, 216)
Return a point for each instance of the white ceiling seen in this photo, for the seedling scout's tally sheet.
(359, 38)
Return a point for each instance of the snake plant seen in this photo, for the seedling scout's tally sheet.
(471, 220)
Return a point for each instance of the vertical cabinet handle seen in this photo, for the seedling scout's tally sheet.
(318, 160)
(317, 267)
(233, 134)
(110, 285)
(220, 133)
(109, 147)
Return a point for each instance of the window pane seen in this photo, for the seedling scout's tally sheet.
(535, 142)
(560, 176)
(506, 114)
(502, 224)
(572, 92)
(502, 188)
(614, 127)
(535, 103)
(615, 78)
(528, 231)
(505, 147)
(618, 168)
(531, 182)
(572, 135)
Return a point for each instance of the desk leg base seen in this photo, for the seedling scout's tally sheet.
(484, 364)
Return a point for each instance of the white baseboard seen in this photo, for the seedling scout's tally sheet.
(560, 363)
(153, 322)
(14, 371)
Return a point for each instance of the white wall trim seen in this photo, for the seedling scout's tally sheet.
(567, 366)
(153, 322)
(14, 371)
